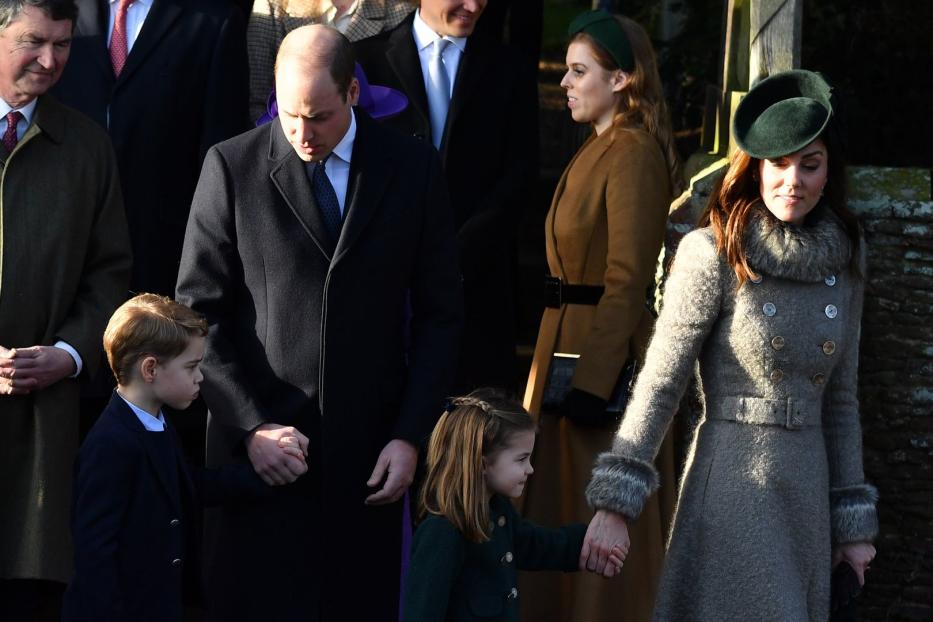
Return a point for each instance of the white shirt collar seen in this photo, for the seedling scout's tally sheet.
(28, 110)
(344, 149)
(152, 424)
(425, 37)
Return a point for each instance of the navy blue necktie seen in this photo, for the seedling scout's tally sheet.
(326, 199)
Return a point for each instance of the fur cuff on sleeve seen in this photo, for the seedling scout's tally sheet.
(621, 484)
(852, 509)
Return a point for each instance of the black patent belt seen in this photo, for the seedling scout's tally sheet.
(557, 293)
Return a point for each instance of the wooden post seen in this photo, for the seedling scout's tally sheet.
(775, 27)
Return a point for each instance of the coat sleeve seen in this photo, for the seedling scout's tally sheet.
(625, 477)
(263, 35)
(105, 277)
(852, 501)
(104, 476)
(437, 314)
(637, 199)
(437, 556)
(209, 278)
(541, 548)
(225, 107)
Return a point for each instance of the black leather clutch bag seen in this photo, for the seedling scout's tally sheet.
(560, 377)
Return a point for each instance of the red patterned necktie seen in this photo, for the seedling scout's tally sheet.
(118, 45)
(9, 136)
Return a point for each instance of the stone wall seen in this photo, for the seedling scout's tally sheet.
(896, 374)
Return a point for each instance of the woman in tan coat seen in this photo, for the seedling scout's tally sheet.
(604, 232)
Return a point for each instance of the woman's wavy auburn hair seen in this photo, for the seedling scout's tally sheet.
(735, 195)
(472, 428)
(641, 103)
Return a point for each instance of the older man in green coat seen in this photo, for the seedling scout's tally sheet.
(64, 267)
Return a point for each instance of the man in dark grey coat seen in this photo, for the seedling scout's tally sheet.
(313, 242)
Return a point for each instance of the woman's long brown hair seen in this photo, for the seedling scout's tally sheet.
(642, 101)
(474, 427)
(737, 192)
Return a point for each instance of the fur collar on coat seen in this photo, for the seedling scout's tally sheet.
(805, 253)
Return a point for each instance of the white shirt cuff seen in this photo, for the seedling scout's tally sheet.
(74, 354)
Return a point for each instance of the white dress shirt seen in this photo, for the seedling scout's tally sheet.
(338, 164)
(152, 424)
(424, 42)
(28, 111)
(135, 16)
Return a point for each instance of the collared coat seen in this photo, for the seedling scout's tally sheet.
(454, 580)
(605, 228)
(311, 332)
(774, 476)
(64, 268)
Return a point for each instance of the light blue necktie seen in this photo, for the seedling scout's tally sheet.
(438, 91)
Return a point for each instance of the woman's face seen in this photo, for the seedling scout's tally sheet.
(592, 92)
(792, 185)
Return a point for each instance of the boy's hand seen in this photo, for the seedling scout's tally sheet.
(273, 464)
(292, 446)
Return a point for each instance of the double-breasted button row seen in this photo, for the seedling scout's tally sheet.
(769, 309)
(830, 280)
(176, 562)
(831, 311)
(513, 593)
(829, 347)
(818, 379)
(507, 558)
(174, 522)
(501, 521)
(778, 342)
(777, 375)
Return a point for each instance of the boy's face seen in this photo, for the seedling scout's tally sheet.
(176, 382)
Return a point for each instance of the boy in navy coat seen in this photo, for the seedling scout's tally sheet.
(135, 500)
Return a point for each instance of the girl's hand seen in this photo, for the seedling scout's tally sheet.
(607, 536)
(856, 554)
(292, 446)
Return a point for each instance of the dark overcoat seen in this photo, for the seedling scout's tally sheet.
(134, 519)
(311, 333)
(489, 155)
(64, 268)
(183, 89)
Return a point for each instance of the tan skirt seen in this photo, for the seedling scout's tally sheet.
(563, 459)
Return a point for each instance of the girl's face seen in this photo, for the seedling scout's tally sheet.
(508, 469)
(592, 92)
(792, 185)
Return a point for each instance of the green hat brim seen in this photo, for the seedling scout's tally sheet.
(782, 114)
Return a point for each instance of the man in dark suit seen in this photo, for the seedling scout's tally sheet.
(475, 100)
(307, 239)
(167, 79)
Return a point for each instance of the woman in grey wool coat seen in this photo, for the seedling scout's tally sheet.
(767, 298)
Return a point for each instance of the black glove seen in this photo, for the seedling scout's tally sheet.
(585, 409)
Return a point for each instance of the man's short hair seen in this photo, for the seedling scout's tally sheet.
(339, 59)
(151, 325)
(56, 9)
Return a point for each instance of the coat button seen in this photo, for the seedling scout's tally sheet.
(176, 562)
(507, 558)
(829, 347)
(501, 521)
(777, 375)
(831, 311)
(830, 280)
(777, 343)
(769, 309)
(755, 279)
(174, 522)
(513, 593)
(818, 379)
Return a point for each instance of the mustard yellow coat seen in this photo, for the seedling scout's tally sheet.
(605, 227)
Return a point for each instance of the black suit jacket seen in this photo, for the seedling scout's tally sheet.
(183, 89)
(489, 156)
(308, 332)
(134, 519)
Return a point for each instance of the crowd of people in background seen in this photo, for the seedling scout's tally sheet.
(300, 217)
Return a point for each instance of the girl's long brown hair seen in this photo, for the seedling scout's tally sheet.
(473, 427)
(737, 192)
(642, 101)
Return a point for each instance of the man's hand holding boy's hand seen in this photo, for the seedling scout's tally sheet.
(275, 463)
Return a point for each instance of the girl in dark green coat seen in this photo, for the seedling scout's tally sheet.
(471, 544)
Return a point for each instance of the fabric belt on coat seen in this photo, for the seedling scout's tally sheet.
(557, 293)
(790, 413)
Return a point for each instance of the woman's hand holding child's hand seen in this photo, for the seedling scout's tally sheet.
(606, 544)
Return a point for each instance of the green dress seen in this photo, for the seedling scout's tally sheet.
(453, 579)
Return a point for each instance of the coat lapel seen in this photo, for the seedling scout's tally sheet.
(290, 179)
(369, 174)
(470, 72)
(93, 23)
(158, 22)
(403, 58)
